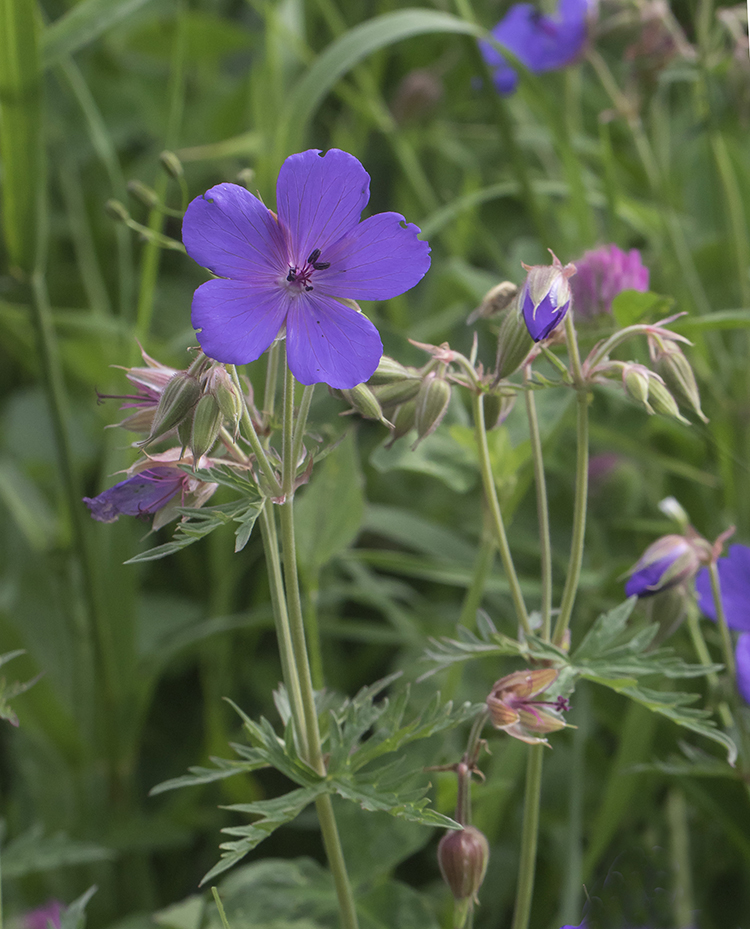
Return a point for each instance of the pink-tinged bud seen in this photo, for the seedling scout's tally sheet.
(512, 708)
(678, 377)
(463, 856)
(665, 563)
(545, 297)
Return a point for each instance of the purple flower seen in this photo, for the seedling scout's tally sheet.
(42, 916)
(545, 297)
(152, 490)
(666, 563)
(298, 272)
(734, 580)
(604, 273)
(742, 659)
(540, 42)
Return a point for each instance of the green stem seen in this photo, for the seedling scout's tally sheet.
(529, 837)
(281, 619)
(301, 425)
(490, 491)
(335, 855)
(252, 437)
(682, 886)
(289, 463)
(582, 480)
(272, 372)
(704, 656)
(542, 509)
(721, 618)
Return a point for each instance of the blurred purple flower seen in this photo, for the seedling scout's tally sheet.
(152, 491)
(666, 563)
(42, 916)
(298, 272)
(742, 658)
(602, 275)
(734, 579)
(540, 42)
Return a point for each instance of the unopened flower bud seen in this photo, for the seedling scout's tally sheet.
(545, 297)
(116, 210)
(679, 377)
(663, 402)
(364, 401)
(637, 379)
(403, 421)
(497, 407)
(463, 856)
(513, 343)
(665, 563)
(220, 384)
(146, 195)
(432, 402)
(207, 421)
(495, 301)
(172, 165)
(397, 391)
(389, 371)
(177, 402)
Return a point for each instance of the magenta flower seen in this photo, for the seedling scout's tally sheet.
(42, 916)
(540, 42)
(602, 275)
(734, 579)
(297, 273)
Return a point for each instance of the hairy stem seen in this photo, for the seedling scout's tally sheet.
(542, 510)
(498, 525)
(529, 836)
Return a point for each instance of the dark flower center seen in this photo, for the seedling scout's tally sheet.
(301, 276)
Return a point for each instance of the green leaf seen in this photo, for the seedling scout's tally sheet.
(224, 768)
(630, 306)
(201, 522)
(21, 136)
(30, 511)
(81, 25)
(33, 852)
(74, 915)
(349, 50)
(272, 813)
(330, 510)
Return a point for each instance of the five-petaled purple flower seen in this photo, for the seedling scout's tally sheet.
(734, 580)
(299, 270)
(604, 273)
(542, 43)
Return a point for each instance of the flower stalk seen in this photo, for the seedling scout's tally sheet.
(529, 837)
(541, 507)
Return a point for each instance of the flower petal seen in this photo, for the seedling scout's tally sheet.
(377, 260)
(230, 232)
(742, 657)
(734, 577)
(236, 323)
(331, 343)
(320, 199)
(138, 495)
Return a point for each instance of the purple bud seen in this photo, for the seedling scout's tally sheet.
(666, 563)
(463, 856)
(545, 297)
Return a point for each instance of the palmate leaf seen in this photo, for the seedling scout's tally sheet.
(224, 768)
(202, 521)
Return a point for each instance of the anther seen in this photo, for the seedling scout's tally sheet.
(314, 255)
(321, 265)
(292, 276)
(308, 288)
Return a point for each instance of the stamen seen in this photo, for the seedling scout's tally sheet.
(308, 288)
(292, 276)
(313, 257)
(321, 265)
